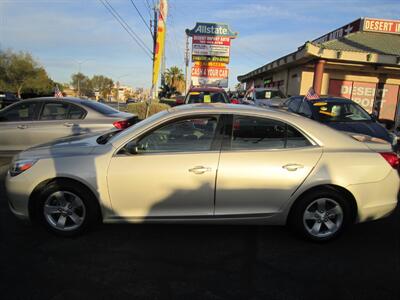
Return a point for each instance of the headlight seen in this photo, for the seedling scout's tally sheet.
(19, 166)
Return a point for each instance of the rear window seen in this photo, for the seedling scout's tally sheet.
(268, 94)
(206, 97)
(100, 107)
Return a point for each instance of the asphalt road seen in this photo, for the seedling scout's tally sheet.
(197, 262)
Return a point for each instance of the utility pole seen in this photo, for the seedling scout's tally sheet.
(186, 63)
(153, 87)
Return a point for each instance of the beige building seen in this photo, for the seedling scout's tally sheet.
(359, 61)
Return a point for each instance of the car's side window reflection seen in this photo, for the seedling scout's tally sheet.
(186, 135)
(20, 112)
(260, 133)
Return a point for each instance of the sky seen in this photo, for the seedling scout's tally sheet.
(67, 35)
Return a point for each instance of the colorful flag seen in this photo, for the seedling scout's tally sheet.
(311, 94)
(160, 41)
(57, 92)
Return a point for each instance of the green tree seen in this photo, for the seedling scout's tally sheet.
(174, 79)
(82, 85)
(20, 73)
(102, 84)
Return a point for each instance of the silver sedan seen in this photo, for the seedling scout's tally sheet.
(211, 163)
(40, 120)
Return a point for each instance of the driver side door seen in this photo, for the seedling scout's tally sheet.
(168, 172)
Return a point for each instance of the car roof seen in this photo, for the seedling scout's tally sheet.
(68, 99)
(206, 89)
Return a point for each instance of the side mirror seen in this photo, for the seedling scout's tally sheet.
(180, 100)
(373, 117)
(132, 148)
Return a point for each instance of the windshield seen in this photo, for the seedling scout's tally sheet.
(206, 97)
(100, 107)
(340, 112)
(268, 94)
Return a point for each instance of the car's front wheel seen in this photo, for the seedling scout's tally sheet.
(66, 208)
(321, 215)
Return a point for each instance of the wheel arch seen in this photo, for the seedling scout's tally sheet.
(36, 191)
(347, 194)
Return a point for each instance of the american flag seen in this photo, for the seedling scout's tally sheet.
(311, 94)
(57, 92)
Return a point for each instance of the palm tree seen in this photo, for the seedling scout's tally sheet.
(174, 79)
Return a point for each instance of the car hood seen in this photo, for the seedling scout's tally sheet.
(69, 146)
(367, 128)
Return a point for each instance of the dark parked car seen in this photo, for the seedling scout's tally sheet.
(7, 98)
(341, 114)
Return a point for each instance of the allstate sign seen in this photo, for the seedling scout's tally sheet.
(213, 29)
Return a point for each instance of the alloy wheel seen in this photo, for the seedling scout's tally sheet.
(323, 217)
(64, 211)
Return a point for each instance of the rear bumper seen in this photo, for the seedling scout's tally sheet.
(377, 199)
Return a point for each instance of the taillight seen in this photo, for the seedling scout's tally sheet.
(391, 158)
(121, 124)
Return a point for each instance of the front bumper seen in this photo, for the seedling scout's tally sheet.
(18, 193)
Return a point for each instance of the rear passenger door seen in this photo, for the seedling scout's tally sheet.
(263, 161)
(55, 122)
(15, 124)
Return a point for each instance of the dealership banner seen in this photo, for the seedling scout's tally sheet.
(365, 93)
(210, 76)
(160, 40)
(380, 25)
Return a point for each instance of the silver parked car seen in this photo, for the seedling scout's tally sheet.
(264, 97)
(40, 120)
(218, 163)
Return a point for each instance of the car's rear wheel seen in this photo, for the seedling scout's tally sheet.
(66, 208)
(321, 215)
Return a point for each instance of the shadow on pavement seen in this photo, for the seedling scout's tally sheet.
(197, 262)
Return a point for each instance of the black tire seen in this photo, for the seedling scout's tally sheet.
(299, 225)
(90, 205)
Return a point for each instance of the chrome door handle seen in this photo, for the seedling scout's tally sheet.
(22, 126)
(292, 167)
(68, 124)
(200, 170)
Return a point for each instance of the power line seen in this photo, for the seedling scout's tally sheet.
(140, 15)
(127, 28)
(149, 8)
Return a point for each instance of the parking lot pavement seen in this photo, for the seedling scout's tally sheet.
(197, 262)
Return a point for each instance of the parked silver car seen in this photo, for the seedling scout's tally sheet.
(40, 120)
(217, 163)
(264, 97)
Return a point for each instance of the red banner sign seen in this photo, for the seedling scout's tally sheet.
(209, 72)
(364, 93)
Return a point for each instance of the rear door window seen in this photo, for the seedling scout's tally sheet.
(253, 133)
(76, 113)
(54, 111)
